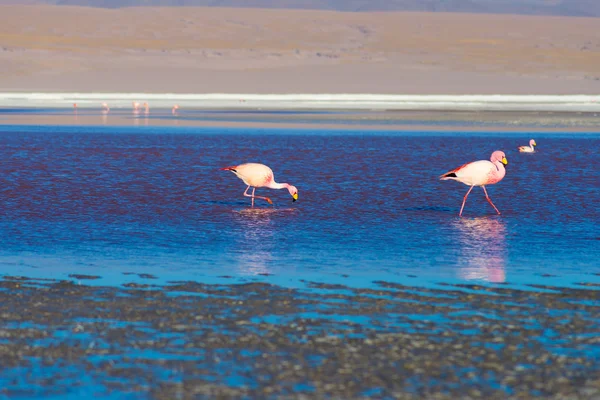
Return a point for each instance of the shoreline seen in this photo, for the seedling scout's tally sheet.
(315, 119)
(325, 101)
(255, 329)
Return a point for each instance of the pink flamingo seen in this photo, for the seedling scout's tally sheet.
(75, 107)
(146, 109)
(259, 175)
(528, 149)
(136, 107)
(174, 110)
(105, 108)
(479, 173)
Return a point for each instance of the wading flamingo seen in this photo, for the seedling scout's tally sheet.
(75, 107)
(259, 175)
(105, 108)
(528, 149)
(146, 109)
(174, 110)
(136, 107)
(479, 173)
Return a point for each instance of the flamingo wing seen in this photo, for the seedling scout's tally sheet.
(475, 173)
(253, 174)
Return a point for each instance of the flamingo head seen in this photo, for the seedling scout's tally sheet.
(294, 192)
(499, 156)
(532, 143)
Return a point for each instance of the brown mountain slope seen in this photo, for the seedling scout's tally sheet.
(589, 8)
(256, 50)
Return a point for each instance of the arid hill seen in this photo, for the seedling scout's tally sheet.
(195, 49)
(588, 8)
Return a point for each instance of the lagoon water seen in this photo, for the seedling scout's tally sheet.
(92, 217)
(107, 200)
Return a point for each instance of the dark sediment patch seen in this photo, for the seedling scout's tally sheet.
(259, 340)
(84, 277)
(143, 276)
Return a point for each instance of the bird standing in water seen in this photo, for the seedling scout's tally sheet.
(528, 149)
(479, 173)
(259, 175)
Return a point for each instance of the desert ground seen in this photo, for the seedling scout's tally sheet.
(218, 50)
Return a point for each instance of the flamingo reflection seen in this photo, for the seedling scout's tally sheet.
(483, 248)
(257, 242)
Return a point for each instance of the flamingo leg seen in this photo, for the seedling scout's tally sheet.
(250, 195)
(489, 200)
(268, 200)
(464, 201)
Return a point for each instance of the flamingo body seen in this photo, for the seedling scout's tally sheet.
(476, 173)
(479, 173)
(253, 174)
(528, 149)
(257, 175)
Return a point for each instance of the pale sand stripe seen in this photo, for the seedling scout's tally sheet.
(562, 103)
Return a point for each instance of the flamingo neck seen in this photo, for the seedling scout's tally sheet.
(501, 170)
(532, 149)
(275, 185)
(499, 165)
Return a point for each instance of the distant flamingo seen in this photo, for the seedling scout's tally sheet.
(146, 109)
(479, 173)
(174, 110)
(105, 108)
(259, 175)
(528, 149)
(75, 107)
(136, 107)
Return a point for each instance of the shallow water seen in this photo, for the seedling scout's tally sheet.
(163, 280)
(103, 200)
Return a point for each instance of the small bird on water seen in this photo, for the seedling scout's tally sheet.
(479, 173)
(259, 175)
(528, 149)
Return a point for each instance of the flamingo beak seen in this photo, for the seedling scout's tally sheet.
(534, 143)
(504, 161)
(294, 197)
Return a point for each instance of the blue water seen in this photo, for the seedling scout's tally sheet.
(109, 200)
(129, 204)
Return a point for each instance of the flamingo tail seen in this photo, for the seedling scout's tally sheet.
(448, 175)
(452, 174)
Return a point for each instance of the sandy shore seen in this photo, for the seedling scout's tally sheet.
(423, 121)
(213, 50)
(259, 340)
